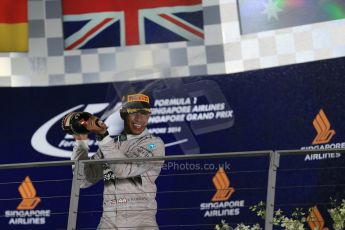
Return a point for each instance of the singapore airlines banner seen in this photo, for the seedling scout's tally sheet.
(292, 107)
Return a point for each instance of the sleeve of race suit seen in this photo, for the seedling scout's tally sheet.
(90, 173)
(145, 149)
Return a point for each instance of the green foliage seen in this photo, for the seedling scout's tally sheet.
(225, 226)
(337, 213)
(296, 221)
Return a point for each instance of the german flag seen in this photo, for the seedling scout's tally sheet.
(14, 33)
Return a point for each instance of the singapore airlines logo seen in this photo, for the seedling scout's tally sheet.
(323, 129)
(26, 214)
(322, 140)
(222, 184)
(315, 220)
(28, 194)
(221, 205)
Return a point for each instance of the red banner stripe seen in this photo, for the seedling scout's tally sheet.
(90, 6)
(186, 27)
(13, 11)
(88, 34)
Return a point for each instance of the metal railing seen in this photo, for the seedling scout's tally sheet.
(274, 158)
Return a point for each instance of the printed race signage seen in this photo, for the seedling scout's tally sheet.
(221, 205)
(26, 213)
(290, 107)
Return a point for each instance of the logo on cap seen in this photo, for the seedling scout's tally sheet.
(138, 98)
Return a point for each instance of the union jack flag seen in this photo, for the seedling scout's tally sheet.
(107, 23)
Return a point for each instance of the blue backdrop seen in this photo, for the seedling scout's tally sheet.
(267, 109)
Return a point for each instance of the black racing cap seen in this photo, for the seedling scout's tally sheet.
(133, 103)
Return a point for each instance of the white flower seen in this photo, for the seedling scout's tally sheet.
(256, 227)
(242, 227)
(338, 215)
(279, 212)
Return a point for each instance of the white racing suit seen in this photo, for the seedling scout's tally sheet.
(129, 188)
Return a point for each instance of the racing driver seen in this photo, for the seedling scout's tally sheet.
(129, 197)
